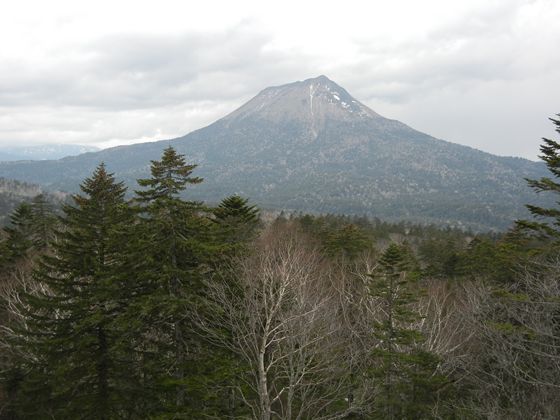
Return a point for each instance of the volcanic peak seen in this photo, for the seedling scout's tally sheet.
(315, 100)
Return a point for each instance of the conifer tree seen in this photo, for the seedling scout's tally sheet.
(237, 209)
(76, 363)
(31, 227)
(43, 222)
(237, 221)
(19, 233)
(170, 176)
(547, 225)
(406, 375)
(172, 247)
(348, 242)
(235, 227)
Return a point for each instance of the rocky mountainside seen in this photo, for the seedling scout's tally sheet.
(311, 146)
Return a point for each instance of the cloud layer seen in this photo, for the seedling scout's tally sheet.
(477, 73)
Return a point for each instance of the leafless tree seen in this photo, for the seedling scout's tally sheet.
(515, 360)
(281, 319)
(442, 323)
(15, 281)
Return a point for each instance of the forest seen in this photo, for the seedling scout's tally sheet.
(145, 304)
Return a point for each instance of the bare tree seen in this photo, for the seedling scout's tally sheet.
(515, 358)
(14, 283)
(280, 318)
(359, 311)
(442, 323)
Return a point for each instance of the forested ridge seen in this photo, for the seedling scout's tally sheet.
(161, 307)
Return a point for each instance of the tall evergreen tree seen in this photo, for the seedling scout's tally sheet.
(406, 375)
(170, 176)
(547, 224)
(347, 241)
(31, 228)
(235, 226)
(76, 365)
(237, 222)
(43, 222)
(237, 209)
(172, 249)
(19, 233)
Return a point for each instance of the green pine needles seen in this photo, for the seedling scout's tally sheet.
(546, 225)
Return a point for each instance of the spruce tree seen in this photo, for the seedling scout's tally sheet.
(31, 228)
(76, 364)
(19, 234)
(348, 242)
(547, 224)
(237, 222)
(405, 374)
(43, 222)
(237, 210)
(170, 176)
(173, 244)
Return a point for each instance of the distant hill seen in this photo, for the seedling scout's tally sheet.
(310, 146)
(43, 152)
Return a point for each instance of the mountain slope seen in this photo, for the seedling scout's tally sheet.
(310, 146)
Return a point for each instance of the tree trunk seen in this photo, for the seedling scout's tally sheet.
(102, 375)
(264, 398)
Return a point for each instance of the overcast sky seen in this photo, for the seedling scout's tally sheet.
(484, 73)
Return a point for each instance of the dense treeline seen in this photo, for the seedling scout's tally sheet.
(12, 193)
(160, 307)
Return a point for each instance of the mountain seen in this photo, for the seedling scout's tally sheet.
(310, 146)
(43, 152)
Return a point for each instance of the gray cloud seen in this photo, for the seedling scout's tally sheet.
(481, 81)
(138, 87)
(487, 79)
(483, 47)
(141, 71)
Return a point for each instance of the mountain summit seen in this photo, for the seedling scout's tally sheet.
(310, 146)
(312, 101)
